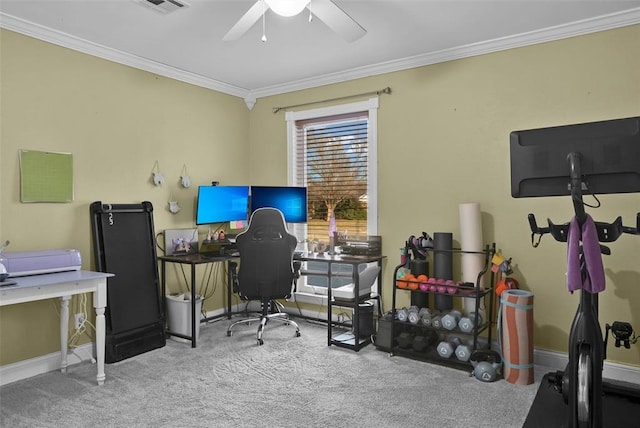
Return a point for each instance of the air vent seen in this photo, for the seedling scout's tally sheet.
(163, 6)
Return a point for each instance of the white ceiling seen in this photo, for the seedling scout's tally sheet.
(187, 44)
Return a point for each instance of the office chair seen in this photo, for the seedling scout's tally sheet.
(267, 271)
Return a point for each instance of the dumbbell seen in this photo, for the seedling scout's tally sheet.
(402, 314)
(422, 342)
(447, 347)
(404, 340)
(436, 321)
(427, 317)
(463, 352)
(419, 317)
(450, 320)
(469, 322)
(413, 315)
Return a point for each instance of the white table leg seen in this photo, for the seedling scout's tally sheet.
(64, 331)
(100, 343)
(99, 304)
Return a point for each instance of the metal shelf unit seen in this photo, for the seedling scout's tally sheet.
(433, 334)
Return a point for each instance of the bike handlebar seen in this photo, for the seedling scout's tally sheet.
(607, 232)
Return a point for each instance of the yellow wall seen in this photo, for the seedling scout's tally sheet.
(117, 122)
(443, 140)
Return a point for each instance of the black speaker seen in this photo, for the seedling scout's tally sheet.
(384, 340)
(365, 319)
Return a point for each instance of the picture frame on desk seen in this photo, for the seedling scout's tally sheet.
(180, 241)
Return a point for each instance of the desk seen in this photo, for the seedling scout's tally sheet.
(194, 260)
(64, 285)
(356, 342)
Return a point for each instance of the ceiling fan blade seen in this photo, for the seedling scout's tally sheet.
(247, 21)
(337, 19)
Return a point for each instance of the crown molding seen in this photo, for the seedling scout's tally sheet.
(59, 38)
(587, 26)
(578, 28)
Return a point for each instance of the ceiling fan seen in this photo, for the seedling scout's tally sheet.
(325, 10)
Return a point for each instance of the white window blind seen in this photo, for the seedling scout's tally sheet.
(333, 152)
(332, 162)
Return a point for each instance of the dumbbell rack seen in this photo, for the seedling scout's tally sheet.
(430, 354)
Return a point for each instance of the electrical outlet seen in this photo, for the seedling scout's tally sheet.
(79, 320)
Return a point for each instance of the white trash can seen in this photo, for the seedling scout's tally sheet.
(179, 315)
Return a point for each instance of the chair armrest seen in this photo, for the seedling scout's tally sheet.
(296, 274)
(296, 269)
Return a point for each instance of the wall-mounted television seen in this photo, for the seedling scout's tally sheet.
(609, 153)
(219, 204)
(292, 201)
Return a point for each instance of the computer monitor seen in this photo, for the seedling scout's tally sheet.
(292, 201)
(609, 153)
(219, 204)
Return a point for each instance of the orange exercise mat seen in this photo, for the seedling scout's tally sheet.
(517, 336)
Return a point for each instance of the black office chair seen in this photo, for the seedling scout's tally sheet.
(266, 270)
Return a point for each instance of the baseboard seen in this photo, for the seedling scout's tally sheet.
(219, 312)
(614, 371)
(46, 363)
(35, 366)
(551, 360)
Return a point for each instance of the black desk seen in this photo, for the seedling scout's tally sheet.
(194, 260)
(356, 342)
(197, 259)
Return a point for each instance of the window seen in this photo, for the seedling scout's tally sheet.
(333, 152)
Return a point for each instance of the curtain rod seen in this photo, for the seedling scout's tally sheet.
(386, 90)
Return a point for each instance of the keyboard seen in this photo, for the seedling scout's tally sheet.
(210, 255)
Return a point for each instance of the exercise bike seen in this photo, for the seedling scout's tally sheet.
(581, 383)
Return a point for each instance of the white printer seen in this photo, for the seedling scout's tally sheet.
(366, 280)
(41, 261)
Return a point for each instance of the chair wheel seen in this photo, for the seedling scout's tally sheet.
(228, 334)
(260, 342)
(297, 334)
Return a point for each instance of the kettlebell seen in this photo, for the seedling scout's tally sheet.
(486, 365)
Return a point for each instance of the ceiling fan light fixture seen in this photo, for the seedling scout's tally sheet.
(287, 7)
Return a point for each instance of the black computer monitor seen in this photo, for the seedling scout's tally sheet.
(292, 201)
(219, 204)
(609, 153)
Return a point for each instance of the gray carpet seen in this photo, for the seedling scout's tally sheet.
(288, 382)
